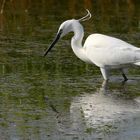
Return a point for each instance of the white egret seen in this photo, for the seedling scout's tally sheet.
(104, 51)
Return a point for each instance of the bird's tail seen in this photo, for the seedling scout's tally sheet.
(138, 63)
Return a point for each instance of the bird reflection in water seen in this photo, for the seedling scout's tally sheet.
(107, 105)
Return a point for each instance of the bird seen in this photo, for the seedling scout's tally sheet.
(106, 52)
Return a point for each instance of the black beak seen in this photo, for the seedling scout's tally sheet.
(53, 43)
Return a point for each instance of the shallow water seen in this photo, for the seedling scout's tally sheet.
(60, 97)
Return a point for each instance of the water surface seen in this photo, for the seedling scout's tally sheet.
(61, 97)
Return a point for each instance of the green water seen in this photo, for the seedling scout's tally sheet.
(61, 97)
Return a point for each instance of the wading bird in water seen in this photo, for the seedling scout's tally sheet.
(104, 51)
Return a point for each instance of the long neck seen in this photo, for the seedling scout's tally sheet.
(76, 43)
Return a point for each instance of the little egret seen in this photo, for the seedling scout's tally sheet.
(104, 51)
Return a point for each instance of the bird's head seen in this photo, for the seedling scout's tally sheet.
(67, 27)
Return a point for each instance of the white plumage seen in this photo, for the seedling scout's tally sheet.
(104, 51)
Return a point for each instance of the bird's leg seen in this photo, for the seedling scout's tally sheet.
(124, 76)
(105, 73)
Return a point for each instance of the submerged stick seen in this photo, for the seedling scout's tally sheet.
(51, 105)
